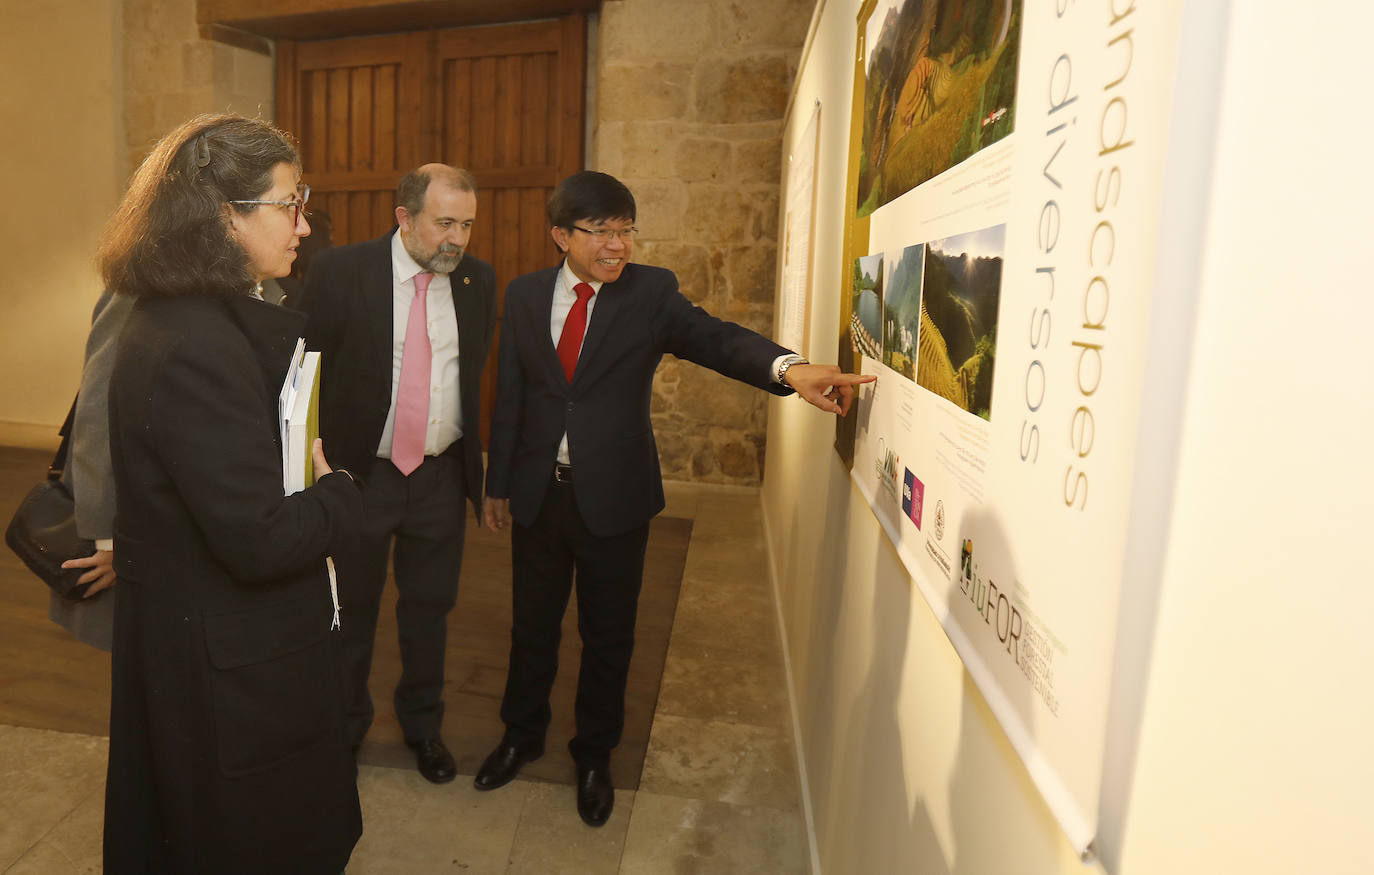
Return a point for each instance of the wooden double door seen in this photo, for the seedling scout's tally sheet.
(504, 101)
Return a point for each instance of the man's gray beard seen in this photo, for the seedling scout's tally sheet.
(442, 263)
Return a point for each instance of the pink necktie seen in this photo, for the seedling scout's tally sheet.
(412, 395)
(570, 341)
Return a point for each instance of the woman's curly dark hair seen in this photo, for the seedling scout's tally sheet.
(170, 234)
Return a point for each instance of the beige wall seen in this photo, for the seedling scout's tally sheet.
(90, 86)
(1254, 751)
(1248, 751)
(60, 112)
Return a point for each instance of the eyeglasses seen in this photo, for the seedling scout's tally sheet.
(302, 197)
(625, 234)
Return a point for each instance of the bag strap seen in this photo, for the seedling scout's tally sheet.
(59, 461)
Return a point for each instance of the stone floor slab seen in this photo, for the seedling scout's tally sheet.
(726, 690)
(553, 840)
(412, 826)
(669, 834)
(78, 839)
(721, 762)
(44, 776)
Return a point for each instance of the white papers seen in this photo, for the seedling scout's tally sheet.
(298, 414)
(298, 407)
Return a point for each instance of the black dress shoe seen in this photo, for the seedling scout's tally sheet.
(504, 764)
(595, 795)
(433, 760)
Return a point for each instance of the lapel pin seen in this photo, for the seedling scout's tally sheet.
(467, 280)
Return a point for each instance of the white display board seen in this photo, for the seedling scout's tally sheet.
(1005, 177)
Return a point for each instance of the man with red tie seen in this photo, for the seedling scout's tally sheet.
(404, 324)
(573, 461)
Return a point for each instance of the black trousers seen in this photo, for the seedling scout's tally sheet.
(609, 572)
(425, 514)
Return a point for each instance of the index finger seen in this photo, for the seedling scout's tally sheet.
(843, 379)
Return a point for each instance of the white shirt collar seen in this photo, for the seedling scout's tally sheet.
(403, 267)
(570, 279)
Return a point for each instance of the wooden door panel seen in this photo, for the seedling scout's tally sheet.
(358, 123)
(458, 109)
(512, 100)
(505, 102)
(538, 73)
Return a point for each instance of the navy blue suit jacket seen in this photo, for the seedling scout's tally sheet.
(605, 409)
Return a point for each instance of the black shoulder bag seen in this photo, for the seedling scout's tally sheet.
(43, 531)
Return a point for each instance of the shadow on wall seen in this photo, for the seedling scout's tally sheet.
(997, 812)
(853, 736)
(815, 653)
(899, 834)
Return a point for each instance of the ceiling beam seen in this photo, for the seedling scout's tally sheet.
(328, 19)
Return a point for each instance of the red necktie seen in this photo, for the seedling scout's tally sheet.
(570, 341)
(412, 394)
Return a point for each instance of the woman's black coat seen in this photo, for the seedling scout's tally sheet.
(226, 745)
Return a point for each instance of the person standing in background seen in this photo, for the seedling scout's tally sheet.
(91, 479)
(404, 323)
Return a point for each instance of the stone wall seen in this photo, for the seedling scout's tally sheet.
(171, 74)
(690, 98)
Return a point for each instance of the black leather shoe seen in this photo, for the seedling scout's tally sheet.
(595, 795)
(504, 764)
(433, 760)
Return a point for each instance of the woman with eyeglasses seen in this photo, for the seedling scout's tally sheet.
(227, 752)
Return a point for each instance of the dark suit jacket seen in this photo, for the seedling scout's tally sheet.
(227, 751)
(348, 296)
(605, 411)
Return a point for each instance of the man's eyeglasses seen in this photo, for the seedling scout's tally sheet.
(295, 206)
(625, 234)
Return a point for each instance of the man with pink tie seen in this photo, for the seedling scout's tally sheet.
(404, 323)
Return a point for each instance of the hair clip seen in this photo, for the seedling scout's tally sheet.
(202, 151)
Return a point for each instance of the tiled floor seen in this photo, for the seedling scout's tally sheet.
(719, 793)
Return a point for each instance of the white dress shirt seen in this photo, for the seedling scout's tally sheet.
(445, 411)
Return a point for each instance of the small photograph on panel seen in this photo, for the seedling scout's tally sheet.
(960, 292)
(866, 322)
(902, 311)
(939, 85)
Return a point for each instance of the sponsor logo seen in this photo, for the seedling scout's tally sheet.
(1016, 632)
(913, 497)
(938, 556)
(940, 520)
(887, 465)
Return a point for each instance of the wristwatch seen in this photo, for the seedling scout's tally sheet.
(787, 362)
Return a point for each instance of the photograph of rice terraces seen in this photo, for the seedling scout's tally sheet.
(866, 322)
(902, 311)
(940, 84)
(958, 336)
